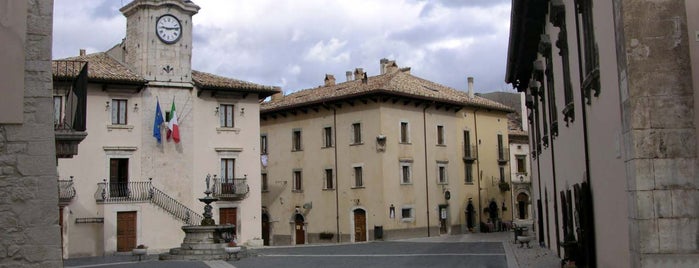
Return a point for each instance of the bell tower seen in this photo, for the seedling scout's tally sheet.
(158, 42)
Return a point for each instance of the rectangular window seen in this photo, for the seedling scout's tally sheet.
(404, 132)
(468, 152)
(226, 115)
(407, 214)
(118, 112)
(469, 173)
(440, 135)
(227, 170)
(441, 173)
(502, 174)
(265, 183)
(298, 181)
(501, 150)
(327, 137)
(329, 179)
(57, 110)
(263, 144)
(358, 180)
(405, 173)
(356, 133)
(521, 164)
(296, 140)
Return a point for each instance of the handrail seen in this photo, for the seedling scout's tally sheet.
(144, 191)
(230, 187)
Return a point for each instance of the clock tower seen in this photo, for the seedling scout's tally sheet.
(158, 42)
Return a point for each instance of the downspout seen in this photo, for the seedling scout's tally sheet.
(337, 198)
(427, 190)
(478, 167)
(592, 258)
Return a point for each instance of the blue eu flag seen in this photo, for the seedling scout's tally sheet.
(158, 121)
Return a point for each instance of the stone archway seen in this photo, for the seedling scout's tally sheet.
(522, 206)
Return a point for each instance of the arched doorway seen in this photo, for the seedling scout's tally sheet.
(522, 203)
(265, 229)
(359, 225)
(300, 229)
(470, 215)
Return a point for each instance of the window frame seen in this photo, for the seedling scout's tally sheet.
(120, 106)
(441, 136)
(328, 179)
(521, 169)
(297, 181)
(227, 164)
(58, 112)
(358, 177)
(226, 120)
(404, 129)
(296, 140)
(263, 143)
(356, 133)
(411, 212)
(468, 170)
(442, 172)
(264, 182)
(402, 175)
(327, 137)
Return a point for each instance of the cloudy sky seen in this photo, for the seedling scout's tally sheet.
(293, 44)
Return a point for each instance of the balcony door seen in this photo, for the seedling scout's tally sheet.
(119, 177)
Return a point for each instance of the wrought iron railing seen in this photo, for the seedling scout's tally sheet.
(144, 191)
(230, 188)
(66, 191)
(470, 152)
(503, 154)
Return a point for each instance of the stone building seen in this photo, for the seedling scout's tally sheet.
(132, 188)
(611, 96)
(28, 180)
(383, 157)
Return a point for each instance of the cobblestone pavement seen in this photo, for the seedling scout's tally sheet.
(517, 256)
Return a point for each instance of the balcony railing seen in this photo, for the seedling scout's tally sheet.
(503, 155)
(231, 189)
(144, 191)
(66, 191)
(470, 153)
(70, 128)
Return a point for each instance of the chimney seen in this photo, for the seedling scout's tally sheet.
(329, 80)
(470, 87)
(382, 65)
(82, 52)
(278, 96)
(358, 72)
(349, 75)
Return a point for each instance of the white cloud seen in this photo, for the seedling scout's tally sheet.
(332, 51)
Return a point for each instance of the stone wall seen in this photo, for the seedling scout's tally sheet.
(29, 230)
(658, 125)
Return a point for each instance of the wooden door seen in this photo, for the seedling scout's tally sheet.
(299, 229)
(265, 229)
(359, 225)
(227, 215)
(126, 231)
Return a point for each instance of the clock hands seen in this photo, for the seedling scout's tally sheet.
(169, 28)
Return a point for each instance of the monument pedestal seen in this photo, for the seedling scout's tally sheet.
(201, 243)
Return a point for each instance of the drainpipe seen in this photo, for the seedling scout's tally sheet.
(337, 198)
(478, 168)
(427, 190)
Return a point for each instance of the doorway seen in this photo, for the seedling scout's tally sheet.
(265, 229)
(119, 177)
(300, 229)
(359, 225)
(228, 216)
(126, 231)
(522, 203)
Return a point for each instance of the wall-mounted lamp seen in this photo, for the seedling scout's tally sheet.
(106, 107)
(242, 110)
(135, 107)
(216, 110)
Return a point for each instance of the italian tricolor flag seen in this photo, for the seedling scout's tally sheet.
(172, 129)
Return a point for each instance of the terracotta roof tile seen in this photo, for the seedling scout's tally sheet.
(101, 67)
(211, 81)
(396, 83)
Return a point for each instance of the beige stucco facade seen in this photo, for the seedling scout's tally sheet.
(381, 155)
(165, 180)
(631, 136)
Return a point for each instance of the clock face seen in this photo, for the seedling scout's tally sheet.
(168, 29)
